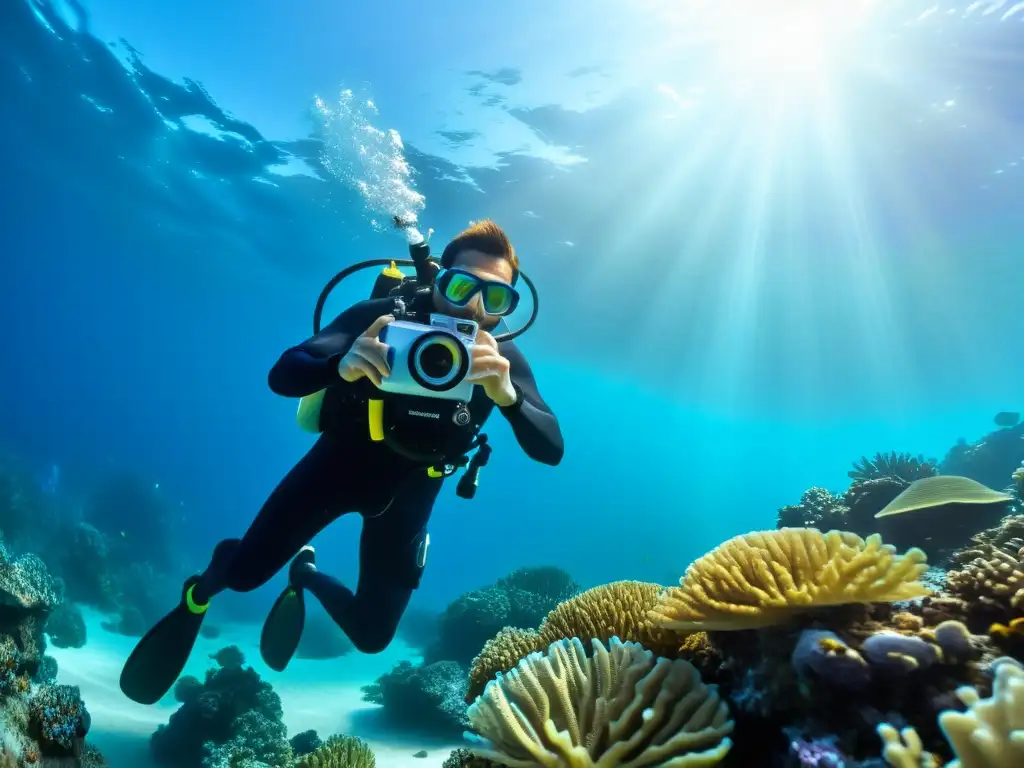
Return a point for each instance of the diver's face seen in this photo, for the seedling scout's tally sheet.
(486, 268)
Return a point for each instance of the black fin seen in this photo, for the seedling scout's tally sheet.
(283, 629)
(160, 656)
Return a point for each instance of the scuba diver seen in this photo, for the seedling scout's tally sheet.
(398, 387)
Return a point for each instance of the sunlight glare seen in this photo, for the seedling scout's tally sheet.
(782, 41)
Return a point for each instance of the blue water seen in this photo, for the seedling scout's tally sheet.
(742, 290)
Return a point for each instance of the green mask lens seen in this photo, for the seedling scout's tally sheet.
(497, 299)
(459, 287)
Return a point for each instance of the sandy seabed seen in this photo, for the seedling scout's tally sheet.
(322, 695)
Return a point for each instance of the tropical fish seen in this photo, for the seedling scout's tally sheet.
(1007, 419)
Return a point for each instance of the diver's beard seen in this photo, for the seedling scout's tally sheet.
(487, 322)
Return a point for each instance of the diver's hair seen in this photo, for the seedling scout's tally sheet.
(486, 237)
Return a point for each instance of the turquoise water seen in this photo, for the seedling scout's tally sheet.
(767, 242)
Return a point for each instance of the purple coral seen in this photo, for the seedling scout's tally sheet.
(893, 653)
(818, 753)
(822, 655)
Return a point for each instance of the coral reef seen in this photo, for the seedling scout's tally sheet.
(991, 460)
(619, 609)
(115, 559)
(941, 512)
(230, 717)
(620, 706)
(427, 697)
(305, 742)
(40, 722)
(828, 649)
(66, 626)
(502, 617)
(463, 758)
(944, 522)
(761, 579)
(340, 752)
(520, 599)
(901, 466)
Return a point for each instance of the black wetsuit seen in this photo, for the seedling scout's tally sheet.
(346, 472)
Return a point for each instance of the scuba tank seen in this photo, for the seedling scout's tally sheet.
(390, 278)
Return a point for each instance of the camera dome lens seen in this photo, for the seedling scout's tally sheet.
(437, 361)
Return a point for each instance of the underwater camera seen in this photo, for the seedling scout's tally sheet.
(430, 360)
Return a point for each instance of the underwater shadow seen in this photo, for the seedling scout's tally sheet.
(372, 724)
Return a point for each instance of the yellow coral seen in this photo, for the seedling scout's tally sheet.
(990, 734)
(619, 609)
(619, 708)
(761, 579)
(903, 749)
(500, 654)
(1012, 630)
(340, 752)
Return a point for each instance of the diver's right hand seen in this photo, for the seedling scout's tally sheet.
(368, 355)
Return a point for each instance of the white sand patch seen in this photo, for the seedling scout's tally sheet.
(322, 695)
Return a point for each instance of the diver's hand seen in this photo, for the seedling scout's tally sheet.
(368, 355)
(491, 370)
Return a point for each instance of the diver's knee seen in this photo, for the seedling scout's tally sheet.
(372, 640)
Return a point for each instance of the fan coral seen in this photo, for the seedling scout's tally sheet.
(940, 491)
(901, 465)
(762, 579)
(500, 654)
(340, 752)
(620, 707)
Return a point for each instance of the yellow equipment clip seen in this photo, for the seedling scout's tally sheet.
(376, 420)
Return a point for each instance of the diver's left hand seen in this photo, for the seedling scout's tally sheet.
(491, 370)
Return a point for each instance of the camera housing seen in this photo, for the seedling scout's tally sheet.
(430, 360)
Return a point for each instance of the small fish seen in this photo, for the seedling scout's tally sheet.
(1007, 419)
